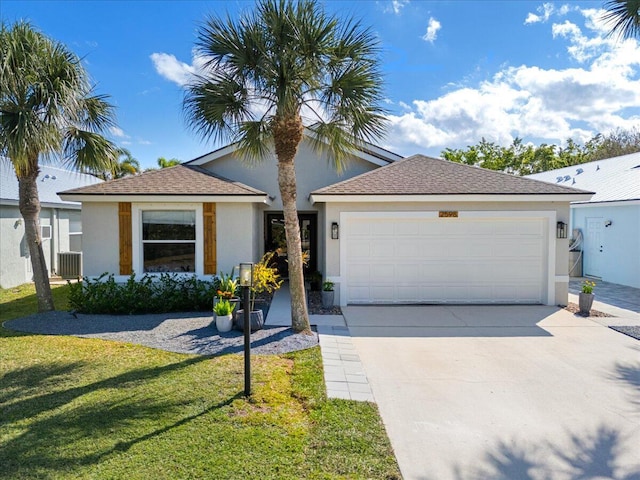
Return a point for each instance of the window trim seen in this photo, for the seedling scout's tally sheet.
(138, 244)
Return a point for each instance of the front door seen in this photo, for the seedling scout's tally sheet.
(593, 247)
(275, 240)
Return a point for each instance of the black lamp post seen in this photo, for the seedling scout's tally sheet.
(246, 281)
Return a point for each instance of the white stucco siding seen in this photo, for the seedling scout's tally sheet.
(100, 242)
(610, 252)
(236, 227)
(313, 171)
(553, 212)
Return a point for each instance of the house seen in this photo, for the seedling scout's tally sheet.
(609, 222)
(60, 224)
(388, 230)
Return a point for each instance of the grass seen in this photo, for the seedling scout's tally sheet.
(85, 408)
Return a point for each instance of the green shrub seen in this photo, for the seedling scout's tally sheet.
(166, 293)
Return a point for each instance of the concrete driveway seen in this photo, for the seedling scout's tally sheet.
(504, 392)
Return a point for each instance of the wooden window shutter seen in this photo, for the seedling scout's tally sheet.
(210, 247)
(124, 224)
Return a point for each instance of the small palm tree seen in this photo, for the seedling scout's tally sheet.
(166, 163)
(124, 166)
(46, 110)
(624, 15)
(263, 73)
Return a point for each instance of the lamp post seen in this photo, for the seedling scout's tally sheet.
(246, 281)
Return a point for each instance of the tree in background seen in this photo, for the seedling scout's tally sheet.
(624, 17)
(47, 110)
(263, 72)
(164, 163)
(521, 159)
(124, 166)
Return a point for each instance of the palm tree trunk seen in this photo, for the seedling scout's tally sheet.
(287, 135)
(30, 210)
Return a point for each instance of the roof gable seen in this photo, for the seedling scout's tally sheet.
(368, 152)
(613, 179)
(178, 180)
(421, 175)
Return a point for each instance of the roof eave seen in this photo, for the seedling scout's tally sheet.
(166, 198)
(489, 197)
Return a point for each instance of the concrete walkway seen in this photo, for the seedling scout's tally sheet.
(343, 372)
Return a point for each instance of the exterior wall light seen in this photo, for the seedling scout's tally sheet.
(335, 231)
(608, 223)
(561, 230)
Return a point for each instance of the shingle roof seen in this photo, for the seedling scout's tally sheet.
(50, 181)
(420, 175)
(613, 179)
(178, 180)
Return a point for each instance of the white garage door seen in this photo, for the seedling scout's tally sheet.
(444, 260)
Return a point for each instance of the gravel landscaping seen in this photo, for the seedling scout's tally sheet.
(191, 332)
(633, 331)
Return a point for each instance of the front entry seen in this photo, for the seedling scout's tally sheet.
(275, 240)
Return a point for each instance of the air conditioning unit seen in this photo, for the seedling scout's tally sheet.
(70, 264)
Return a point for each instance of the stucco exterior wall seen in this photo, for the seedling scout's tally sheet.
(313, 171)
(15, 262)
(100, 242)
(560, 246)
(236, 229)
(619, 261)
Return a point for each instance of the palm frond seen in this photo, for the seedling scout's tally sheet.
(624, 17)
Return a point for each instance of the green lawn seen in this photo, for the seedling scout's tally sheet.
(84, 408)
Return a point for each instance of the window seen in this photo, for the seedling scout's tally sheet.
(75, 232)
(169, 240)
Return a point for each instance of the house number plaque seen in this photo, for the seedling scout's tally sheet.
(448, 214)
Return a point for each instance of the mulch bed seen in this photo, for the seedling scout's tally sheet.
(575, 309)
(316, 308)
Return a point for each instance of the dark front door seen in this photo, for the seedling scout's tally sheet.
(275, 240)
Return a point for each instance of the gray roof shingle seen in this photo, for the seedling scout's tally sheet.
(178, 180)
(421, 175)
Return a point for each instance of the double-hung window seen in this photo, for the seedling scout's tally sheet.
(169, 241)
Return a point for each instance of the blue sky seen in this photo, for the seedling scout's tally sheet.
(456, 71)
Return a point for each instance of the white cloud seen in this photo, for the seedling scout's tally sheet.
(530, 102)
(398, 5)
(432, 30)
(169, 67)
(117, 132)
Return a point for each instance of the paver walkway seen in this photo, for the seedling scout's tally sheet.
(620, 296)
(343, 372)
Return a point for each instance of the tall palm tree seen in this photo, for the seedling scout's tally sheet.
(269, 69)
(46, 110)
(624, 16)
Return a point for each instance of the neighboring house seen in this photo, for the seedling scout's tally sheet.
(610, 221)
(388, 230)
(60, 223)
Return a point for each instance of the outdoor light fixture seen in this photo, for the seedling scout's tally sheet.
(246, 281)
(335, 231)
(608, 223)
(561, 230)
(246, 274)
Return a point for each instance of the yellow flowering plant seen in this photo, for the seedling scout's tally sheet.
(587, 286)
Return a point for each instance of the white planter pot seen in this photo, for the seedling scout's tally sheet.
(224, 323)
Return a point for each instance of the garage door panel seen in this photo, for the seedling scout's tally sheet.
(431, 260)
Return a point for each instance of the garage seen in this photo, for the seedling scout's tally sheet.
(405, 257)
(428, 231)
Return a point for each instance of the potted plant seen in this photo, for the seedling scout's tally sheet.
(224, 315)
(327, 294)
(585, 298)
(228, 289)
(265, 280)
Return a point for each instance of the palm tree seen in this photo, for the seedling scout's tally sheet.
(264, 73)
(164, 163)
(46, 110)
(624, 15)
(124, 166)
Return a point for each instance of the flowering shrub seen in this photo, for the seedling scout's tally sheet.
(587, 286)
